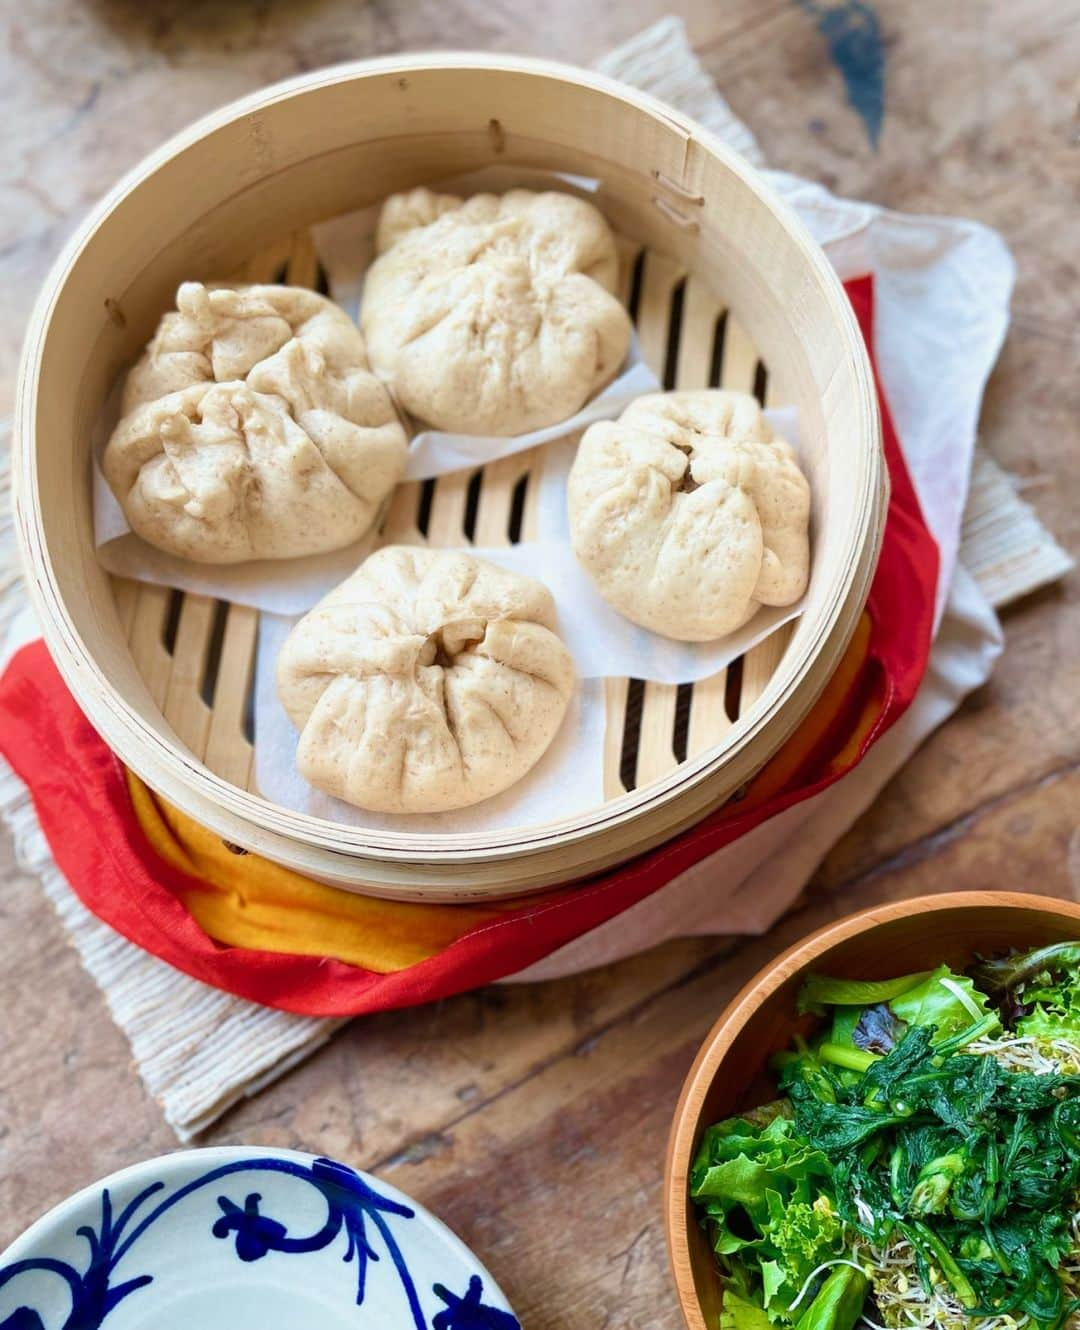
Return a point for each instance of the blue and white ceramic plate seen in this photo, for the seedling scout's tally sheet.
(240, 1239)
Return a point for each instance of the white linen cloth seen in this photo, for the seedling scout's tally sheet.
(198, 1050)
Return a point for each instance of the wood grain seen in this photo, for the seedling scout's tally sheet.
(534, 1119)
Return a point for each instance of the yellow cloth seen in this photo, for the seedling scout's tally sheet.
(246, 901)
(243, 900)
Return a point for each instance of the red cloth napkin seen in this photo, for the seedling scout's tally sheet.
(82, 802)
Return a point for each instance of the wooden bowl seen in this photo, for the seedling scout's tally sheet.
(730, 1073)
(727, 287)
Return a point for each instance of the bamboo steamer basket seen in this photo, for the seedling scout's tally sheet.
(726, 287)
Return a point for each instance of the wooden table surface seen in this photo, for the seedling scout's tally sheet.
(534, 1119)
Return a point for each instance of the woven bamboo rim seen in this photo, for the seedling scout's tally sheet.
(229, 188)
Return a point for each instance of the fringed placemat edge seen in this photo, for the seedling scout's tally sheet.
(1003, 543)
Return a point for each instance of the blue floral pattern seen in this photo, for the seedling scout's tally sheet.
(353, 1208)
(469, 1312)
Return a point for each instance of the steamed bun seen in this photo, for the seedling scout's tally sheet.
(688, 513)
(494, 315)
(253, 428)
(427, 680)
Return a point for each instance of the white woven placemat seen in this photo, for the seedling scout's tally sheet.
(198, 1050)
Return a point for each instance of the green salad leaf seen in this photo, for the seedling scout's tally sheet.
(1037, 992)
(804, 1235)
(765, 1193)
(739, 1313)
(947, 1001)
(998, 975)
(857, 1035)
(1053, 1017)
(819, 991)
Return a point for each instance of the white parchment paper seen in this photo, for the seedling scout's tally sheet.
(344, 247)
(569, 778)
